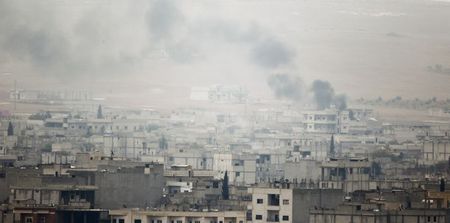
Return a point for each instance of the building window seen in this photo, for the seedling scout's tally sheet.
(42, 219)
(285, 217)
(137, 221)
(273, 199)
(159, 221)
(29, 220)
(259, 201)
(238, 174)
(121, 220)
(179, 221)
(114, 220)
(258, 217)
(285, 201)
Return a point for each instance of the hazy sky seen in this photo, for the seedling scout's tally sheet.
(363, 48)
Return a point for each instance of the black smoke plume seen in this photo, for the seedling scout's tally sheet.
(286, 87)
(324, 96)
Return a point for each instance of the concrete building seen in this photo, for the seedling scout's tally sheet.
(325, 121)
(241, 167)
(436, 146)
(269, 166)
(198, 159)
(39, 196)
(354, 214)
(116, 191)
(346, 174)
(302, 170)
(279, 203)
(308, 146)
(155, 216)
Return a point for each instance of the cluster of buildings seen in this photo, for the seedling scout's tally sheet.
(36, 96)
(220, 94)
(197, 165)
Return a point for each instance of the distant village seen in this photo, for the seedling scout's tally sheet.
(92, 162)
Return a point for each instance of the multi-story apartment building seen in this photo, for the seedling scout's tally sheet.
(241, 168)
(346, 174)
(157, 216)
(282, 203)
(326, 121)
(436, 146)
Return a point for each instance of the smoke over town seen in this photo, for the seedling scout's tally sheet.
(224, 111)
(324, 95)
(287, 87)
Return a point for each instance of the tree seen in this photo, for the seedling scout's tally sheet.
(99, 112)
(332, 147)
(10, 129)
(225, 187)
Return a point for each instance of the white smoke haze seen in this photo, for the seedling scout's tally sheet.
(103, 44)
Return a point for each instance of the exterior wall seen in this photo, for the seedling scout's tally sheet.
(37, 216)
(347, 186)
(321, 121)
(417, 216)
(196, 160)
(349, 175)
(115, 190)
(436, 150)
(122, 146)
(38, 197)
(261, 206)
(4, 188)
(344, 122)
(241, 168)
(303, 169)
(270, 167)
(317, 146)
(45, 197)
(294, 204)
(56, 158)
(133, 216)
(305, 200)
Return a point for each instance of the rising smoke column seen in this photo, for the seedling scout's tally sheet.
(340, 101)
(285, 86)
(271, 53)
(323, 93)
(324, 96)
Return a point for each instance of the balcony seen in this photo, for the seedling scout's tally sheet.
(273, 216)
